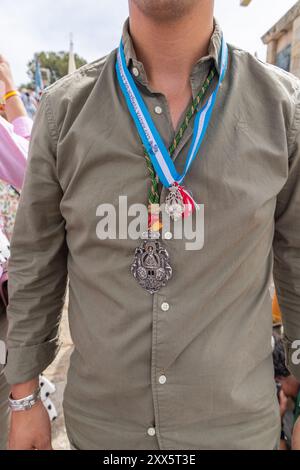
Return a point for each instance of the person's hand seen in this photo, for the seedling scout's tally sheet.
(30, 430)
(283, 401)
(6, 75)
(296, 435)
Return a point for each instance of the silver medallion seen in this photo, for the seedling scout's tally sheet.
(174, 203)
(151, 266)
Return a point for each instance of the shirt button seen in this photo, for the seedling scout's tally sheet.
(165, 307)
(162, 380)
(158, 110)
(168, 236)
(135, 72)
(151, 432)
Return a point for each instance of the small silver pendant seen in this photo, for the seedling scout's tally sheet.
(151, 266)
(174, 203)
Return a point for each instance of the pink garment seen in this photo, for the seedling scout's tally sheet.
(14, 145)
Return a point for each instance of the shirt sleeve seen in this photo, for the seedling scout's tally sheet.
(287, 249)
(23, 126)
(38, 264)
(13, 154)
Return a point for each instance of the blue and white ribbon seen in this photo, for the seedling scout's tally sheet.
(152, 141)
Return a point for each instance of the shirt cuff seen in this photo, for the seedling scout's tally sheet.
(292, 355)
(23, 126)
(25, 363)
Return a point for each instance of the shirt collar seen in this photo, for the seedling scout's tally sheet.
(214, 51)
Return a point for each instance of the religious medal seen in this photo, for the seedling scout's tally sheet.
(151, 266)
(174, 203)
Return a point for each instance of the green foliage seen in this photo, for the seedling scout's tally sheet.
(55, 62)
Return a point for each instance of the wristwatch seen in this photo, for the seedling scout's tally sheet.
(25, 404)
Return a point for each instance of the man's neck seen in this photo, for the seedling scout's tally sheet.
(172, 48)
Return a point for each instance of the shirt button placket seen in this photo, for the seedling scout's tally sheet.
(159, 378)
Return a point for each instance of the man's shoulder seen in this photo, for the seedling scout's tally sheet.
(81, 77)
(68, 96)
(266, 76)
(79, 84)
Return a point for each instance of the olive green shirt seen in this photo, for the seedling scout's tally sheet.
(190, 367)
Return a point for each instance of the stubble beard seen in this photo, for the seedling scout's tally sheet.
(166, 10)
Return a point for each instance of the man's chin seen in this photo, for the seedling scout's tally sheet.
(166, 10)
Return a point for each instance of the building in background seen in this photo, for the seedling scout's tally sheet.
(283, 41)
